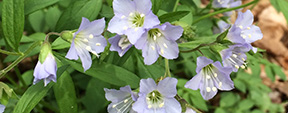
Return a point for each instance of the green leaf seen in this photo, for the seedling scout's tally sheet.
(173, 16)
(4, 87)
(13, 22)
(72, 16)
(222, 36)
(240, 85)
(245, 104)
(95, 96)
(65, 94)
(34, 5)
(106, 72)
(149, 71)
(278, 70)
(228, 99)
(37, 21)
(52, 16)
(28, 77)
(198, 100)
(59, 43)
(220, 110)
(269, 73)
(31, 97)
(283, 7)
(156, 4)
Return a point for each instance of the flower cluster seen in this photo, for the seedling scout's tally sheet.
(135, 24)
(152, 97)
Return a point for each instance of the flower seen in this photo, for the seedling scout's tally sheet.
(248, 33)
(120, 43)
(122, 99)
(46, 67)
(157, 98)
(161, 39)
(235, 57)
(2, 108)
(189, 110)
(226, 4)
(131, 18)
(222, 26)
(87, 39)
(210, 77)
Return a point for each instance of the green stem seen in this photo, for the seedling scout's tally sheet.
(167, 68)
(175, 6)
(197, 48)
(19, 75)
(47, 105)
(11, 53)
(223, 10)
(12, 65)
(11, 80)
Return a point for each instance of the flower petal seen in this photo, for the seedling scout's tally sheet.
(150, 20)
(95, 27)
(150, 53)
(84, 55)
(98, 43)
(123, 7)
(115, 96)
(116, 25)
(172, 105)
(143, 6)
(72, 54)
(172, 32)
(202, 62)
(195, 82)
(140, 105)
(167, 87)
(244, 19)
(133, 35)
(147, 85)
(167, 48)
(207, 89)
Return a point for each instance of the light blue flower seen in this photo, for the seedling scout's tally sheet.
(87, 39)
(120, 43)
(46, 67)
(122, 100)
(160, 40)
(210, 77)
(131, 18)
(159, 98)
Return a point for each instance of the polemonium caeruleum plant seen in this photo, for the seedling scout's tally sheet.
(156, 36)
(132, 18)
(210, 77)
(159, 40)
(87, 39)
(122, 100)
(46, 67)
(157, 98)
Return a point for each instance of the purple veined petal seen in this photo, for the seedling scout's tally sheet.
(167, 87)
(83, 25)
(50, 64)
(150, 53)
(147, 85)
(195, 82)
(220, 3)
(123, 7)
(150, 20)
(84, 55)
(254, 49)
(222, 26)
(2, 108)
(189, 110)
(72, 54)
(172, 32)
(202, 62)
(226, 53)
(142, 41)
(167, 48)
(98, 44)
(143, 6)
(224, 81)
(117, 25)
(207, 89)
(134, 34)
(140, 105)
(115, 96)
(235, 4)
(234, 35)
(172, 106)
(244, 19)
(39, 73)
(95, 27)
(252, 34)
